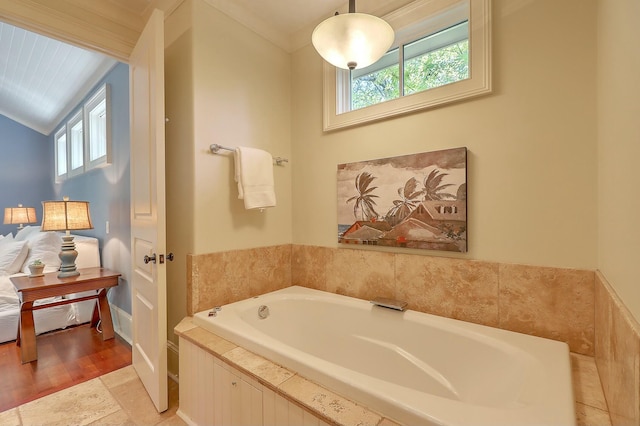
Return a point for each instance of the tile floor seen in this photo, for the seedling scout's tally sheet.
(117, 398)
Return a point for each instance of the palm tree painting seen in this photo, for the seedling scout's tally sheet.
(413, 201)
(363, 202)
(406, 204)
(433, 186)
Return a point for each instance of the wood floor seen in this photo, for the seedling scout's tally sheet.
(65, 358)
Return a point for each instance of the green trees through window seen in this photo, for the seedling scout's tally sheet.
(427, 64)
(441, 54)
(434, 69)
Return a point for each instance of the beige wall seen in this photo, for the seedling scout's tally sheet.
(532, 143)
(227, 85)
(242, 98)
(619, 148)
(179, 165)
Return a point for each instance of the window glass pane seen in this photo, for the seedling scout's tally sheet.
(439, 59)
(98, 134)
(77, 144)
(61, 149)
(376, 83)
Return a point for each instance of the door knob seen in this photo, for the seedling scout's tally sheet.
(151, 258)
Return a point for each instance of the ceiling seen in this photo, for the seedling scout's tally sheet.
(289, 16)
(41, 79)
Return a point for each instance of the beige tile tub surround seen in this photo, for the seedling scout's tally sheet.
(591, 409)
(216, 279)
(556, 303)
(10, 418)
(549, 302)
(322, 400)
(309, 266)
(361, 274)
(617, 337)
(461, 289)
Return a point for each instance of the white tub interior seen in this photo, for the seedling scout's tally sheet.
(410, 366)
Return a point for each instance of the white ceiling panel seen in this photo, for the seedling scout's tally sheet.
(42, 79)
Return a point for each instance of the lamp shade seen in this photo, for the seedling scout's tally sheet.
(65, 215)
(352, 40)
(19, 215)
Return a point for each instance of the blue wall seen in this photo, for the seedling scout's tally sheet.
(107, 189)
(26, 169)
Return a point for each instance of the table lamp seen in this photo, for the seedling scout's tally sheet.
(19, 215)
(66, 216)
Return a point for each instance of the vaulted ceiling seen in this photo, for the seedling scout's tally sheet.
(42, 77)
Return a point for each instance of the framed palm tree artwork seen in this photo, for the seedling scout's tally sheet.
(413, 201)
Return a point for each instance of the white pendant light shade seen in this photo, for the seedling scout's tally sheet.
(352, 40)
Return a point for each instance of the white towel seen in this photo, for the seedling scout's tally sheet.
(254, 174)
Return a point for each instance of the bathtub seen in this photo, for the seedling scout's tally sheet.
(415, 368)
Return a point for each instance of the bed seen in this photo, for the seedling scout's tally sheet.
(16, 253)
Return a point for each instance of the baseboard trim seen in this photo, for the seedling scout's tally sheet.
(122, 323)
(173, 352)
(185, 418)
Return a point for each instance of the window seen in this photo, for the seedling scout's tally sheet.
(76, 145)
(441, 54)
(98, 128)
(431, 61)
(84, 142)
(437, 59)
(61, 153)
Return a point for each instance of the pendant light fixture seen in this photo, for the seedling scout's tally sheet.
(354, 40)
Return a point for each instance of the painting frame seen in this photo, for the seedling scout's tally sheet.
(416, 201)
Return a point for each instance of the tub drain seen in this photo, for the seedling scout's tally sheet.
(263, 311)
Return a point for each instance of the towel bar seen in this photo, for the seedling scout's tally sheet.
(214, 148)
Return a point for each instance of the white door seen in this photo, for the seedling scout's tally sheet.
(148, 222)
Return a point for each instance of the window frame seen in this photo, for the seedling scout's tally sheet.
(336, 87)
(83, 116)
(71, 123)
(62, 131)
(102, 94)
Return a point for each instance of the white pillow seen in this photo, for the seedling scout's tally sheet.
(26, 232)
(44, 246)
(12, 255)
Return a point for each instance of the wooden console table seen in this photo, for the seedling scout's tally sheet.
(49, 285)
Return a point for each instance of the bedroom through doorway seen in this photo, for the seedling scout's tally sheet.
(71, 353)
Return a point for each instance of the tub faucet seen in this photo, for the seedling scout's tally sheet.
(398, 305)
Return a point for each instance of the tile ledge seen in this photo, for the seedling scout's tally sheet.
(180, 331)
(626, 314)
